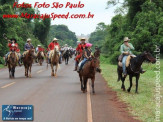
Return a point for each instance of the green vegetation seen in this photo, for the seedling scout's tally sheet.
(142, 23)
(64, 35)
(143, 104)
(40, 31)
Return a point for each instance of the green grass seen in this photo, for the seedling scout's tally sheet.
(1, 66)
(143, 104)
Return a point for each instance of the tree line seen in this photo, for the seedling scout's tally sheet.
(140, 20)
(40, 31)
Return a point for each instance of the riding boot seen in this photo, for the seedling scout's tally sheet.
(19, 62)
(49, 61)
(142, 71)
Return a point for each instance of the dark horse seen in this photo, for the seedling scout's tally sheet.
(90, 68)
(40, 57)
(27, 61)
(66, 56)
(134, 68)
(12, 63)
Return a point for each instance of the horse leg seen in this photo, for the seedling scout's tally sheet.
(30, 71)
(56, 70)
(93, 80)
(123, 86)
(81, 81)
(52, 74)
(130, 77)
(67, 60)
(13, 72)
(85, 85)
(137, 79)
(27, 71)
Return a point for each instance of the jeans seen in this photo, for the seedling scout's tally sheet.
(124, 64)
(82, 63)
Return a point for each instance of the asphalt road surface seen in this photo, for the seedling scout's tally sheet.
(60, 99)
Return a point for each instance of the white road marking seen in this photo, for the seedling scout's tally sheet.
(8, 85)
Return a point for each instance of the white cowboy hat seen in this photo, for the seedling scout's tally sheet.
(82, 39)
(28, 39)
(55, 39)
(126, 39)
(39, 45)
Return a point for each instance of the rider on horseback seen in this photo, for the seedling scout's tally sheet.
(79, 50)
(87, 53)
(52, 46)
(126, 50)
(41, 50)
(13, 45)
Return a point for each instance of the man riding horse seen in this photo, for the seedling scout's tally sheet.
(39, 53)
(51, 48)
(79, 50)
(28, 46)
(87, 54)
(126, 50)
(13, 46)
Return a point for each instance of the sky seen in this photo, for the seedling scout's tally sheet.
(79, 26)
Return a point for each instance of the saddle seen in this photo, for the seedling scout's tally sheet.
(127, 61)
(15, 54)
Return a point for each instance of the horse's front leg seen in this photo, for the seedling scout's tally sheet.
(130, 78)
(137, 79)
(85, 84)
(30, 71)
(52, 73)
(123, 86)
(27, 71)
(56, 70)
(13, 72)
(93, 80)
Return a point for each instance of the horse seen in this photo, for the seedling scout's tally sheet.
(12, 63)
(87, 72)
(27, 61)
(66, 56)
(54, 60)
(40, 57)
(89, 69)
(134, 68)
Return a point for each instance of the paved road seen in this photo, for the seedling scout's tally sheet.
(60, 99)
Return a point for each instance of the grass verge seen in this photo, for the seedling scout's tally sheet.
(143, 104)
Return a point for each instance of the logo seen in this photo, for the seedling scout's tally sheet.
(17, 112)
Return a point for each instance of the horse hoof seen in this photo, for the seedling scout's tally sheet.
(93, 92)
(136, 92)
(128, 90)
(55, 76)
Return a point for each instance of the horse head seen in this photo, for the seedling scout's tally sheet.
(148, 57)
(95, 64)
(97, 53)
(56, 48)
(31, 53)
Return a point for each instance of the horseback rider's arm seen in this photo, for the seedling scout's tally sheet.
(85, 53)
(131, 46)
(122, 51)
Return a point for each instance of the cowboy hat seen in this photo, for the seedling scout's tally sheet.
(82, 39)
(126, 39)
(39, 45)
(55, 39)
(13, 39)
(28, 39)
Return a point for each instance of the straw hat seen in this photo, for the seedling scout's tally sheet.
(28, 39)
(126, 39)
(82, 39)
(55, 39)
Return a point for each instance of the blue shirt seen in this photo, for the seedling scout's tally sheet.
(28, 46)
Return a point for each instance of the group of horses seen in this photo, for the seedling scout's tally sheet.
(89, 69)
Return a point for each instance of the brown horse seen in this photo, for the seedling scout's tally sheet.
(54, 59)
(89, 71)
(27, 61)
(40, 57)
(12, 63)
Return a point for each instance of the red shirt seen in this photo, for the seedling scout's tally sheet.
(14, 48)
(52, 45)
(80, 47)
(40, 49)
